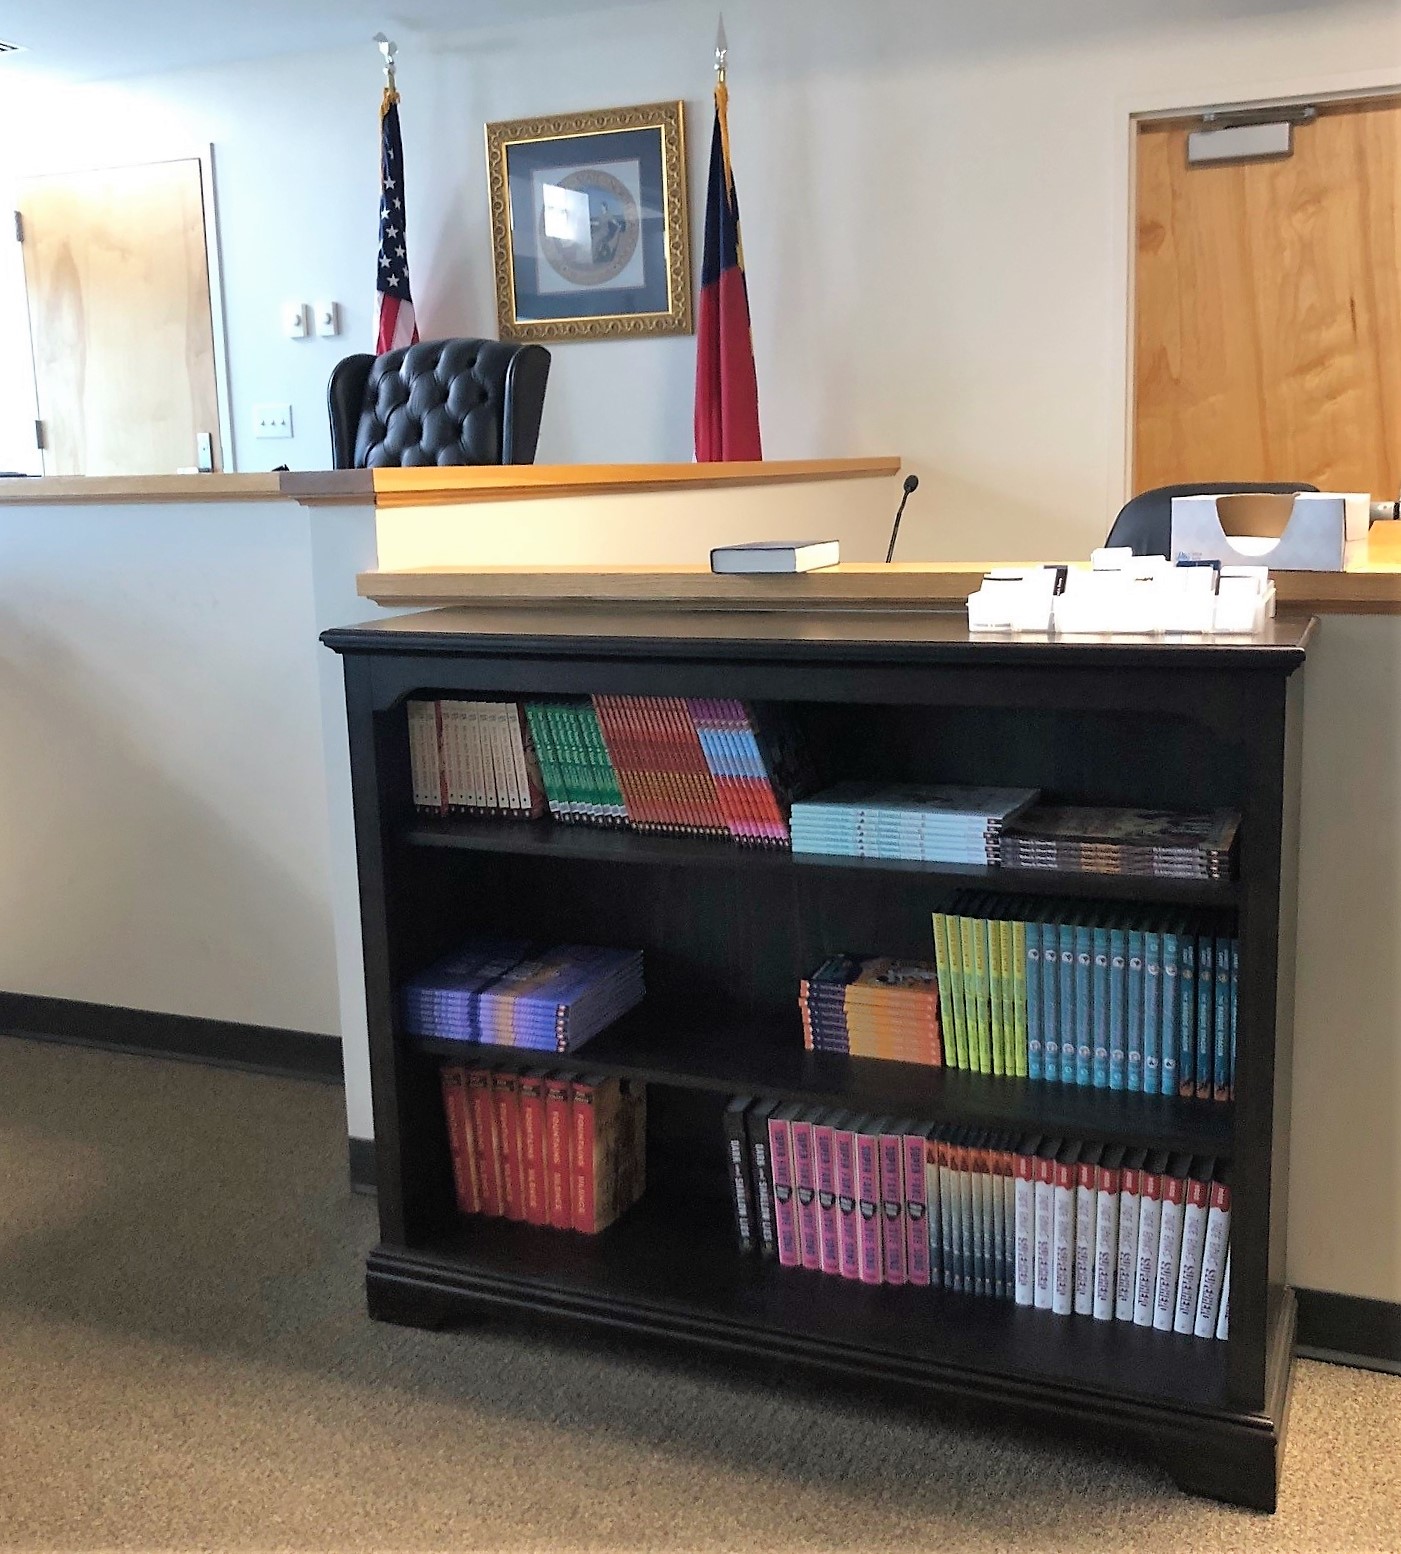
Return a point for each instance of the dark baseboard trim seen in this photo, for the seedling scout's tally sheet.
(262, 1048)
(362, 1165)
(1349, 1329)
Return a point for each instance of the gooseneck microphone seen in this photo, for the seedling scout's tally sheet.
(911, 484)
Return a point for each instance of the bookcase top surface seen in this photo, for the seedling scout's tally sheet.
(901, 636)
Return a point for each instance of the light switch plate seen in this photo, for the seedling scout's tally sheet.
(272, 420)
(327, 316)
(294, 320)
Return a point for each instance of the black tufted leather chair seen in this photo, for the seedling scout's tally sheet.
(438, 402)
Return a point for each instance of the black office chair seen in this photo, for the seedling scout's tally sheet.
(1145, 521)
(438, 402)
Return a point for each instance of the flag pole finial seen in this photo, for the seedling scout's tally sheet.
(721, 50)
(388, 48)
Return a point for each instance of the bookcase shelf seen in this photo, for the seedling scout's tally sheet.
(726, 932)
(609, 844)
(737, 1057)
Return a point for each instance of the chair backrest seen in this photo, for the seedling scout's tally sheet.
(1145, 521)
(438, 402)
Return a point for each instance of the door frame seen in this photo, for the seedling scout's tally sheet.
(213, 262)
(1129, 113)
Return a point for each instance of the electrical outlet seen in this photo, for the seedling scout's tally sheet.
(272, 420)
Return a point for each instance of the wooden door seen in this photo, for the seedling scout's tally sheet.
(1268, 308)
(118, 283)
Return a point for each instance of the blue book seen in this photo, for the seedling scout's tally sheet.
(1187, 1015)
(1171, 1011)
(1034, 1068)
(1084, 1010)
(1118, 1014)
(1152, 1012)
(1066, 1071)
(1099, 997)
(1206, 1003)
(1221, 1071)
(1134, 1045)
(1050, 1001)
(1235, 1008)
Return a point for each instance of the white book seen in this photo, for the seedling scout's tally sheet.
(1085, 1222)
(1045, 1224)
(1223, 1319)
(509, 752)
(1063, 1253)
(1149, 1220)
(455, 752)
(515, 742)
(1130, 1182)
(423, 743)
(1170, 1244)
(1024, 1227)
(1218, 1231)
(1193, 1244)
(1106, 1240)
(775, 556)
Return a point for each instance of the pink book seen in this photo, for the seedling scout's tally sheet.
(870, 1263)
(824, 1145)
(892, 1192)
(916, 1208)
(785, 1203)
(805, 1190)
(848, 1220)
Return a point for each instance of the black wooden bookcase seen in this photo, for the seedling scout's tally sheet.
(727, 933)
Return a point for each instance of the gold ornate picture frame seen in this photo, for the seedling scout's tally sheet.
(589, 226)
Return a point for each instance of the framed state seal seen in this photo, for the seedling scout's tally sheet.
(589, 228)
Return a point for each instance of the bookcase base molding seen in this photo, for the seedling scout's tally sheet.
(728, 932)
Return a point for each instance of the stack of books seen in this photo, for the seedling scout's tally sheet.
(1097, 1231)
(917, 823)
(511, 993)
(1147, 842)
(876, 1008)
(473, 758)
(545, 1148)
(1115, 997)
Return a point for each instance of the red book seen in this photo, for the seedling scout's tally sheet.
(466, 1182)
(662, 764)
(559, 1153)
(506, 1105)
(710, 810)
(532, 1136)
(618, 742)
(609, 1120)
(484, 1137)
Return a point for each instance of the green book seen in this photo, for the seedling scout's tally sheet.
(605, 779)
(975, 991)
(990, 929)
(1017, 930)
(544, 753)
(943, 970)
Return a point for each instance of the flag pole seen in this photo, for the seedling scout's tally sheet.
(721, 50)
(388, 48)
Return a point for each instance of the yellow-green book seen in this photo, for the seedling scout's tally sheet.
(975, 992)
(989, 927)
(1018, 929)
(950, 1002)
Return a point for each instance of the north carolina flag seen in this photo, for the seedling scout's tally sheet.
(727, 391)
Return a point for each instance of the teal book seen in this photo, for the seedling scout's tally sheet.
(1084, 1004)
(1221, 1071)
(1187, 1014)
(1050, 999)
(1134, 1043)
(1235, 1008)
(1066, 1070)
(1099, 1000)
(1171, 1010)
(1118, 1013)
(1034, 1067)
(1152, 1011)
(1206, 1004)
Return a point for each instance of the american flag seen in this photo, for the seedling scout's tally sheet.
(397, 326)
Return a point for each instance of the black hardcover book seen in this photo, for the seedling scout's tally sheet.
(756, 1121)
(741, 1171)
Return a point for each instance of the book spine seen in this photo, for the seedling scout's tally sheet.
(763, 1186)
(1045, 1229)
(1024, 1228)
(1050, 1006)
(1085, 1226)
(1129, 1204)
(824, 1148)
(1223, 1315)
(805, 1191)
(1020, 1057)
(948, 1216)
(737, 1165)
(941, 971)
(1171, 1013)
(1206, 1004)
(1150, 1206)
(505, 1102)
(996, 993)
(975, 953)
(1221, 1073)
(1107, 1186)
(933, 1213)
(1035, 1068)
(1133, 1074)
(1099, 1006)
(488, 1145)
(559, 1158)
(1193, 1245)
(868, 1205)
(1118, 1013)
(1063, 1247)
(1152, 1012)
(892, 1198)
(535, 1205)
(1084, 1010)
(1217, 1242)
(1235, 1012)
(974, 1178)
(916, 1210)
(785, 1203)
(1187, 1015)
(1169, 1252)
(583, 1115)
(1069, 1013)
(848, 1235)
(459, 1121)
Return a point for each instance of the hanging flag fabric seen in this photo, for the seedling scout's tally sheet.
(396, 324)
(727, 391)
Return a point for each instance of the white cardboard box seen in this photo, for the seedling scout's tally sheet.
(1308, 531)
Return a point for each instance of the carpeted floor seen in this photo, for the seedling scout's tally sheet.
(185, 1364)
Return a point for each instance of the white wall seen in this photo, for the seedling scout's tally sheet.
(935, 217)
